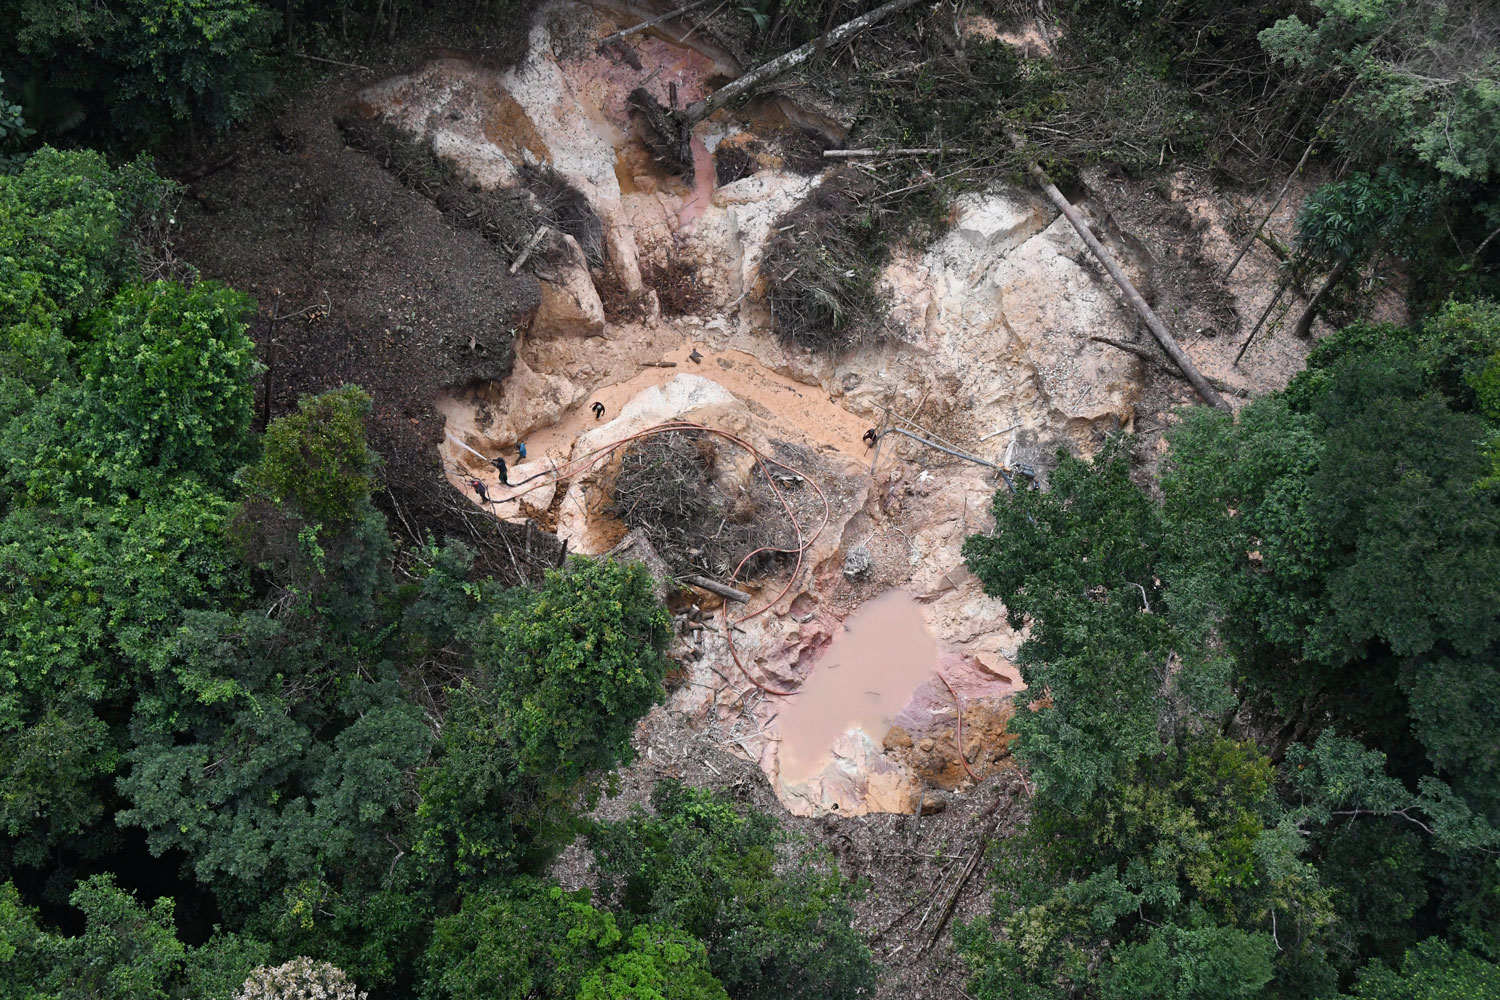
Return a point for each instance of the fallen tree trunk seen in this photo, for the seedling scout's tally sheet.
(700, 110)
(636, 29)
(1270, 211)
(674, 128)
(1281, 288)
(1165, 364)
(1153, 322)
(862, 154)
(715, 587)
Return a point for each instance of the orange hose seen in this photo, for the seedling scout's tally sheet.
(959, 708)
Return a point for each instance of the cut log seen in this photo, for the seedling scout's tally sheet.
(715, 587)
(1153, 322)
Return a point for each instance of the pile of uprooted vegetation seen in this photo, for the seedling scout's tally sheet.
(507, 218)
(701, 511)
(822, 266)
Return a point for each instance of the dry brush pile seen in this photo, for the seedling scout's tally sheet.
(701, 502)
(822, 266)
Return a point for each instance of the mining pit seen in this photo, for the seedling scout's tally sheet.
(856, 664)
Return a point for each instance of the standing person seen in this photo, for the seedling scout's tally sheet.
(520, 451)
(499, 463)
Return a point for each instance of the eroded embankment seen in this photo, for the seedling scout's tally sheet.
(988, 346)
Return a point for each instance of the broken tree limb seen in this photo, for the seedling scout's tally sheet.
(715, 587)
(699, 110)
(195, 174)
(1136, 349)
(1270, 211)
(1303, 328)
(1165, 364)
(861, 154)
(526, 250)
(1153, 322)
(645, 25)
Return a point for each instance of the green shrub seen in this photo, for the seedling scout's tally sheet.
(170, 370)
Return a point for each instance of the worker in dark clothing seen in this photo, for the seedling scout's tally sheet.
(499, 463)
(871, 436)
(479, 490)
(598, 409)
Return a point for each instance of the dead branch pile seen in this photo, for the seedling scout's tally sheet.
(566, 209)
(699, 510)
(675, 280)
(668, 135)
(821, 266)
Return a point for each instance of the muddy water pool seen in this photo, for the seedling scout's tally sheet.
(865, 676)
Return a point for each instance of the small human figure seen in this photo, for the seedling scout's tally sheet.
(695, 357)
(521, 451)
(871, 436)
(479, 490)
(598, 409)
(499, 463)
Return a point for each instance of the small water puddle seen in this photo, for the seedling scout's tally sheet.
(864, 678)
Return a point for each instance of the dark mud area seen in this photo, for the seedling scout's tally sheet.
(392, 295)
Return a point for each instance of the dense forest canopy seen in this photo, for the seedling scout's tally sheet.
(248, 732)
(218, 671)
(1267, 765)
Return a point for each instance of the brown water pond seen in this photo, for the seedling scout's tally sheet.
(862, 680)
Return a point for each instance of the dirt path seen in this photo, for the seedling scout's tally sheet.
(787, 410)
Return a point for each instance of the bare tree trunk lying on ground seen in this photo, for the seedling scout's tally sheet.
(1153, 322)
(1165, 364)
(674, 128)
(866, 154)
(1281, 288)
(715, 587)
(1270, 211)
(636, 29)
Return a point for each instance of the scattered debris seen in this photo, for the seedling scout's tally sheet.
(857, 562)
